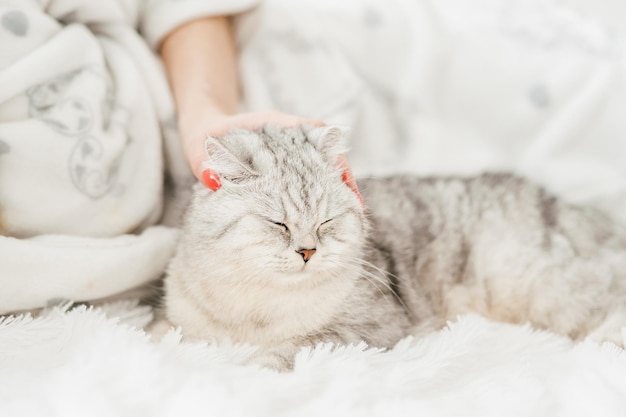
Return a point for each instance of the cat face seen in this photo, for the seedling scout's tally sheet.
(283, 215)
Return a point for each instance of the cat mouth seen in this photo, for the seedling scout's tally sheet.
(304, 275)
(301, 271)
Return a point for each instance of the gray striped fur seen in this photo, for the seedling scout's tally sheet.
(422, 251)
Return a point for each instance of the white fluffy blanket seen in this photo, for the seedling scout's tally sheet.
(81, 363)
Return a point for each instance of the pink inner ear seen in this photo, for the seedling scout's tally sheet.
(211, 179)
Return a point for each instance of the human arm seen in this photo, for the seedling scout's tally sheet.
(201, 62)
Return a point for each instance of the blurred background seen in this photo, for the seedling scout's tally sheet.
(454, 87)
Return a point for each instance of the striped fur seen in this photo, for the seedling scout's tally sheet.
(422, 251)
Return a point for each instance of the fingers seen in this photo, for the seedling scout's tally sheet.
(348, 178)
(253, 121)
(210, 179)
(258, 120)
(222, 125)
(280, 119)
(196, 158)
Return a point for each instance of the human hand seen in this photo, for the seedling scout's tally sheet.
(348, 178)
(194, 131)
(200, 59)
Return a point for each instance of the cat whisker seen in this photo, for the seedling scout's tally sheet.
(371, 279)
(342, 261)
(374, 278)
(398, 282)
(243, 265)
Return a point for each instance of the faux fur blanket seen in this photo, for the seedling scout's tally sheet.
(83, 363)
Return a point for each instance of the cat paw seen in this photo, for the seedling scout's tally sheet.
(158, 328)
(274, 360)
(613, 330)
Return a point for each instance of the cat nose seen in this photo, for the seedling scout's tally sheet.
(306, 253)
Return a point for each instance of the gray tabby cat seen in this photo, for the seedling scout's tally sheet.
(284, 254)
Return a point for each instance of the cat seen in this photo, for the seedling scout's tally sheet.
(285, 255)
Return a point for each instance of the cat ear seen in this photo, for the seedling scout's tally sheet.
(331, 141)
(223, 163)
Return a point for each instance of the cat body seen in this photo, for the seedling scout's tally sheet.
(285, 254)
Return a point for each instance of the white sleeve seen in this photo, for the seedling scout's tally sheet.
(159, 17)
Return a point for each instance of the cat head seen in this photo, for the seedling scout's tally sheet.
(283, 214)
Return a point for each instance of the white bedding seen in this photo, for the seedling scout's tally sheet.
(80, 363)
(455, 87)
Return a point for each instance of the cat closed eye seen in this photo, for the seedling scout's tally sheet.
(322, 229)
(281, 225)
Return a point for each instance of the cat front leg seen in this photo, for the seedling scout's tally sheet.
(280, 358)
(612, 328)
(158, 328)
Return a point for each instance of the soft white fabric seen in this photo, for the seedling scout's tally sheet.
(53, 267)
(82, 364)
(87, 130)
(455, 87)
(161, 16)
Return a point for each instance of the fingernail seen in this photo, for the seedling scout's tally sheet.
(358, 194)
(211, 179)
(346, 177)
